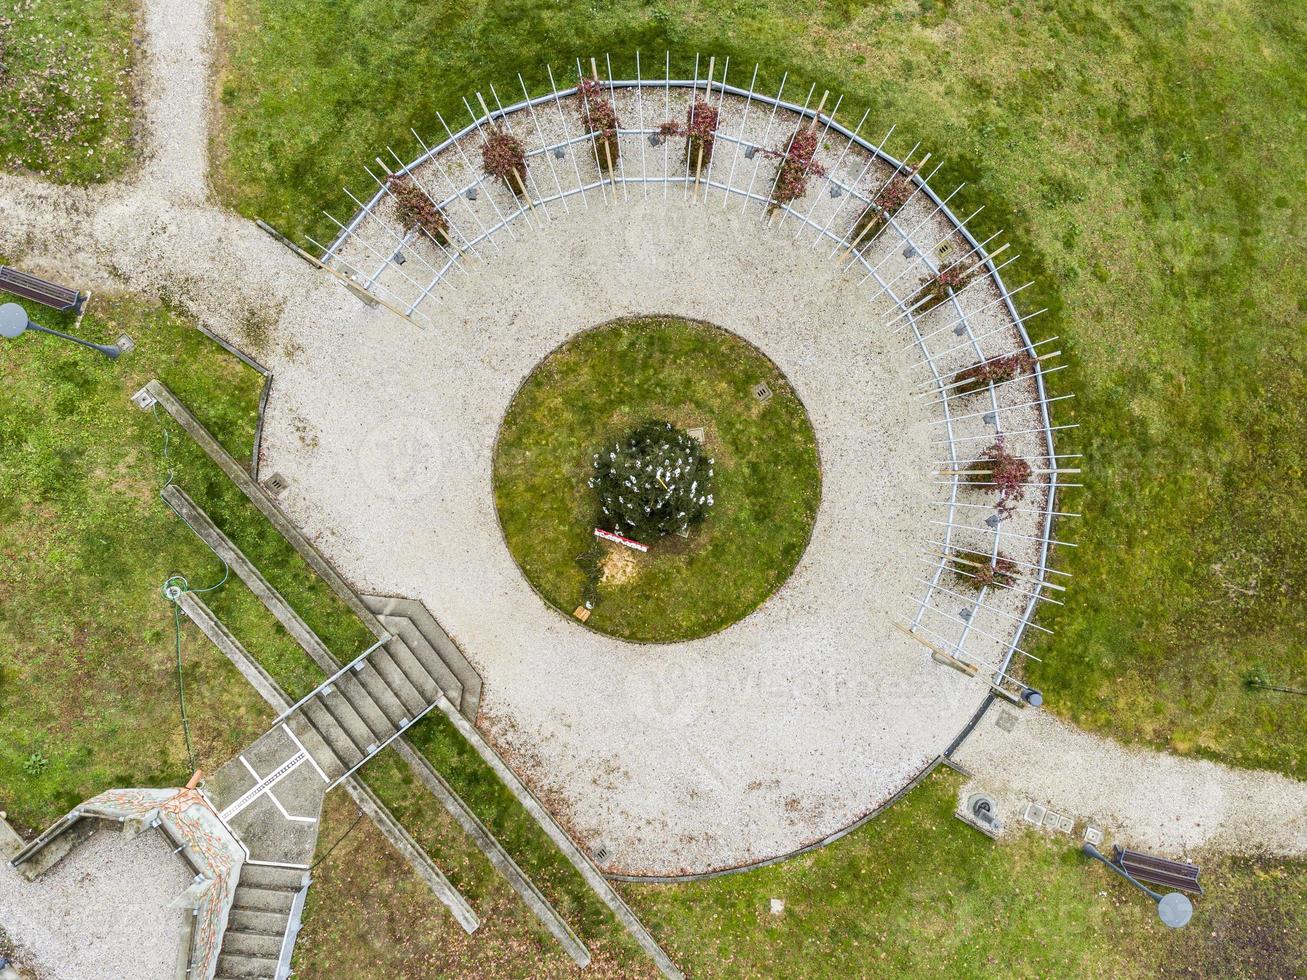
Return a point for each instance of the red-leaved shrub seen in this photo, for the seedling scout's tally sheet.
(976, 570)
(1005, 367)
(797, 162)
(503, 157)
(415, 208)
(699, 130)
(888, 199)
(598, 116)
(1008, 473)
(935, 290)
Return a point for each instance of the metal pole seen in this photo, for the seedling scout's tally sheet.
(110, 351)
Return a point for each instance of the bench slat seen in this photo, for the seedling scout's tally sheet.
(1158, 870)
(38, 290)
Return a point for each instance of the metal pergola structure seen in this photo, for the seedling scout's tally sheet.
(970, 628)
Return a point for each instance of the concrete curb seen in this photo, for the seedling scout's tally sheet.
(797, 852)
(368, 802)
(588, 870)
(310, 642)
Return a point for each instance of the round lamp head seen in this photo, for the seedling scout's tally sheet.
(13, 320)
(1175, 910)
(1032, 697)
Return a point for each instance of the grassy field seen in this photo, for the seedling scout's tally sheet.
(88, 680)
(1144, 159)
(593, 392)
(67, 86)
(918, 894)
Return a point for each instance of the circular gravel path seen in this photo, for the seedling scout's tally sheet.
(729, 749)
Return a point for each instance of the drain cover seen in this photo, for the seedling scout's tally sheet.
(275, 484)
(600, 854)
(762, 391)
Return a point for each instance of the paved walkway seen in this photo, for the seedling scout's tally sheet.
(159, 232)
(1144, 799)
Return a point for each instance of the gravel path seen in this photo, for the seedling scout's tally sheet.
(741, 746)
(1144, 799)
(100, 912)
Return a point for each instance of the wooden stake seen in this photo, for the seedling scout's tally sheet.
(938, 654)
(812, 123)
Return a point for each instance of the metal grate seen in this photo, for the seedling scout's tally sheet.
(762, 391)
(275, 484)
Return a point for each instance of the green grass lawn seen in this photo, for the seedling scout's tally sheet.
(592, 392)
(916, 893)
(88, 695)
(67, 88)
(1144, 158)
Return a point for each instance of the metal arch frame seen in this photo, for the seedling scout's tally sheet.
(984, 260)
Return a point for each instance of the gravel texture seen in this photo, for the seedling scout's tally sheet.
(1143, 799)
(100, 912)
(781, 729)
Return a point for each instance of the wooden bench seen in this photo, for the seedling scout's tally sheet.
(1158, 871)
(39, 290)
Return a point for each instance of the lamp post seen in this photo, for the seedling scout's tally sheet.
(1173, 908)
(14, 320)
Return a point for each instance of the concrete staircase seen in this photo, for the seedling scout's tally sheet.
(416, 636)
(265, 909)
(369, 702)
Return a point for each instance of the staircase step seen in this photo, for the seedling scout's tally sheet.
(404, 658)
(407, 631)
(449, 652)
(235, 966)
(271, 878)
(331, 733)
(388, 669)
(365, 706)
(395, 710)
(264, 923)
(253, 944)
(440, 641)
(263, 899)
(317, 747)
(340, 709)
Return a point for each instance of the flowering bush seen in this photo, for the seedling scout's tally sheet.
(700, 130)
(1003, 368)
(654, 481)
(503, 157)
(598, 116)
(416, 208)
(976, 570)
(888, 199)
(936, 289)
(796, 164)
(1003, 470)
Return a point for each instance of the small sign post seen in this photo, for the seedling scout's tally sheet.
(618, 539)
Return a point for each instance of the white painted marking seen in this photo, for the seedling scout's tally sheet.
(264, 784)
(312, 761)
